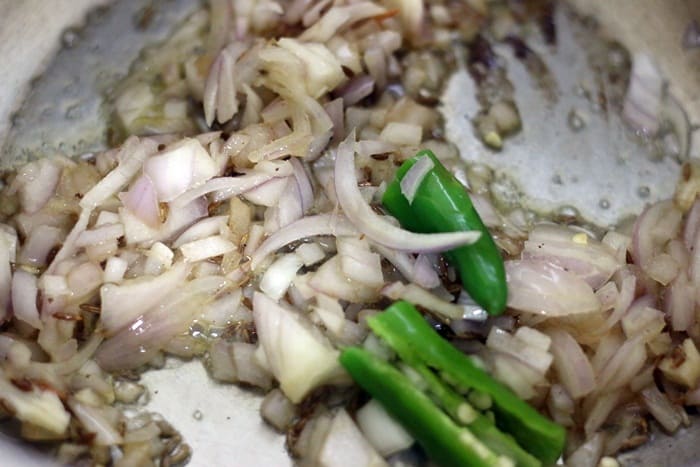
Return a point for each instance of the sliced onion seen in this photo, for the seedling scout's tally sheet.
(534, 357)
(39, 244)
(131, 157)
(99, 235)
(544, 289)
(300, 358)
(662, 409)
(277, 410)
(329, 279)
(355, 90)
(571, 363)
(96, 423)
(415, 176)
(306, 190)
(178, 168)
(139, 343)
(228, 187)
(41, 408)
(205, 248)
(279, 275)
(624, 299)
(623, 366)
(358, 263)
(141, 294)
(24, 296)
(321, 224)
(340, 17)
(142, 201)
(573, 251)
(679, 303)
(204, 228)
(376, 227)
(36, 183)
(589, 453)
(268, 193)
(344, 445)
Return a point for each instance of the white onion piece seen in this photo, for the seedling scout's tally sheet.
(534, 357)
(624, 299)
(24, 295)
(402, 134)
(623, 366)
(115, 268)
(574, 251)
(311, 226)
(371, 147)
(679, 303)
(279, 275)
(139, 343)
(654, 227)
(415, 176)
(344, 446)
(100, 235)
(84, 279)
(37, 246)
(588, 454)
(544, 289)
(338, 18)
(358, 263)
(68, 247)
(355, 90)
(206, 248)
(277, 410)
(642, 104)
(142, 200)
(306, 191)
(267, 194)
(376, 227)
(132, 155)
(95, 422)
(224, 188)
(204, 228)
(329, 279)
(36, 183)
(668, 415)
(382, 431)
(422, 274)
(179, 167)
(289, 208)
(141, 294)
(571, 363)
(421, 297)
(39, 407)
(299, 357)
(602, 407)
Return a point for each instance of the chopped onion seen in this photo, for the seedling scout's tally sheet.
(544, 289)
(415, 176)
(330, 279)
(344, 445)
(141, 294)
(277, 410)
(205, 248)
(96, 423)
(24, 297)
(402, 134)
(536, 358)
(573, 251)
(311, 226)
(421, 273)
(571, 363)
(306, 190)
(100, 235)
(142, 201)
(299, 357)
(662, 409)
(589, 453)
(338, 18)
(202, 229)
(279, 275)
(36, 183)
(39, 244)
(40, 407)
(382, 431)
(358, 263)
(376, 227)
(356, 89)
(179, 167)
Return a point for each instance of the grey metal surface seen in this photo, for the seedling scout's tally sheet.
(596, 166)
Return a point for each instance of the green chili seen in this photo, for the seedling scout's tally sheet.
(403, 328)
(445, 442)
(441, 204)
